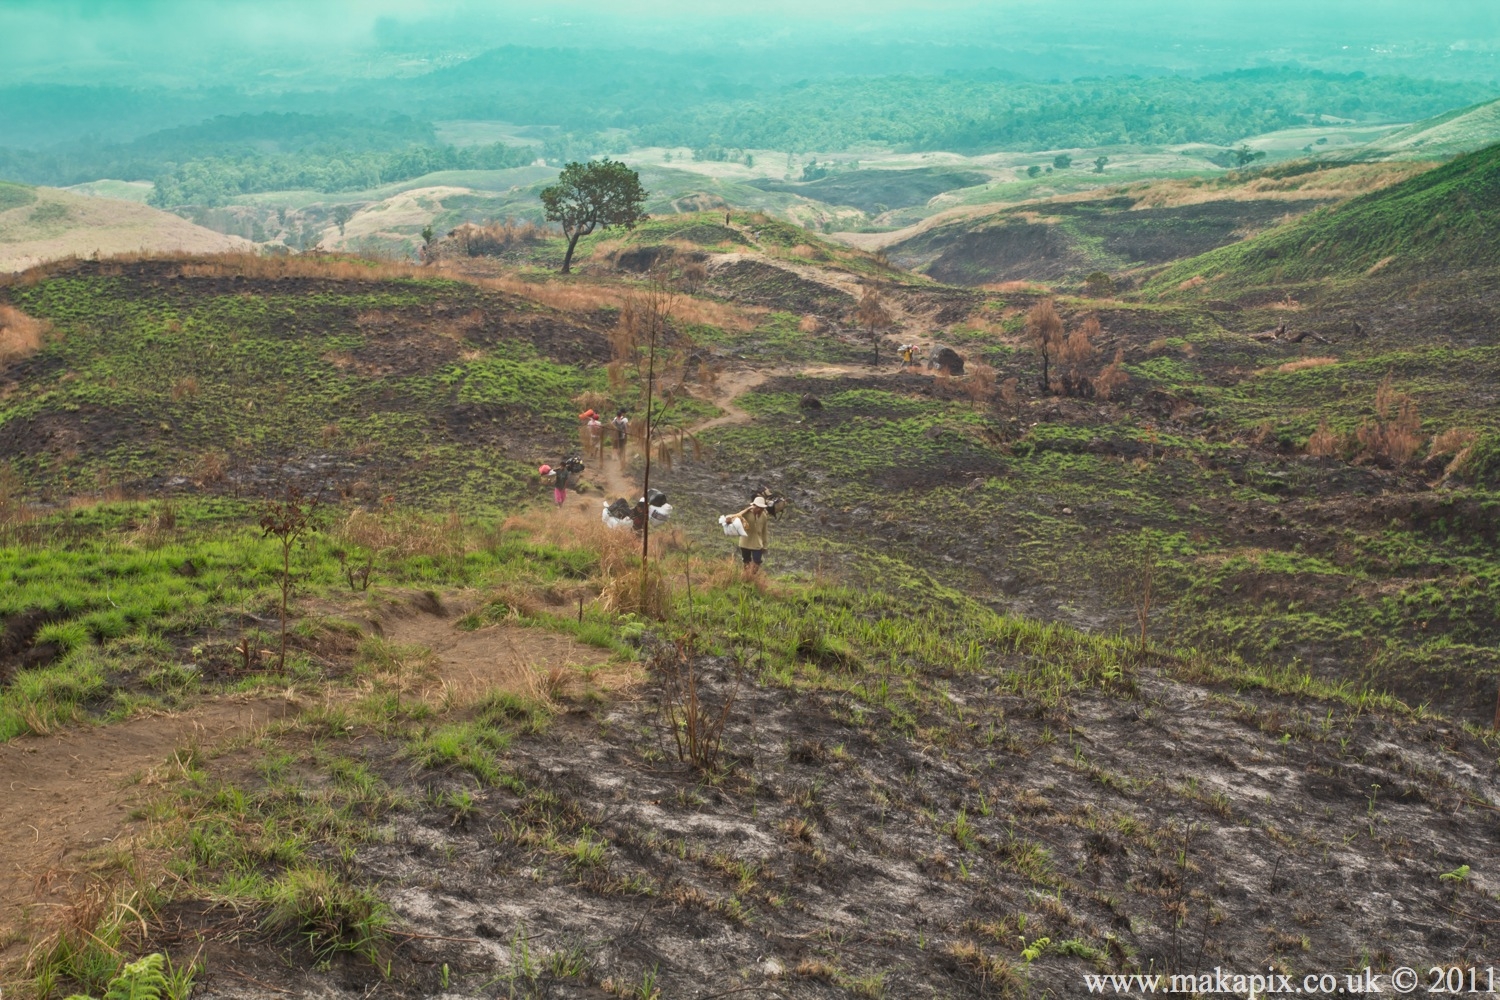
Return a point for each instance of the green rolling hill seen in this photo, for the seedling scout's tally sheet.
(1444, 219)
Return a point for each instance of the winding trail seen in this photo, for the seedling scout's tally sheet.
(732, 386)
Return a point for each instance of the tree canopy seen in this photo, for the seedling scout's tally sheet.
(594, 195)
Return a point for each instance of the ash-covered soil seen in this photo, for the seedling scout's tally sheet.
(858, 850)
(758, 283)
(1077, 237)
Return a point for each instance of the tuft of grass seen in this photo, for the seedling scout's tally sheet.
(464, 746)
(332, 915)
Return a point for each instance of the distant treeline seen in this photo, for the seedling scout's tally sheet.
(211, 163)
(218, 180)
(972, 114)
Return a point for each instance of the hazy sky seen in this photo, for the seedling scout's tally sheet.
(250, 41)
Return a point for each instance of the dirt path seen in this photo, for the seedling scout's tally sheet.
(65, 795)
(733, 385)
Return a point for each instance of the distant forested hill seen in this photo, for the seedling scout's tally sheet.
(211, 163)
(971, 113)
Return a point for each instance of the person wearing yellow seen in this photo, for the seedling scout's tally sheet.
(756, 521)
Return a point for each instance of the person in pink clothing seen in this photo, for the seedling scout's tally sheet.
(561, 474)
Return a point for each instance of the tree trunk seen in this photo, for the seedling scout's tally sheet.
(646, 478)
(568, 260)
(1046, 382)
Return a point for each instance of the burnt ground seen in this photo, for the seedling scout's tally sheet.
(762, 284)
(1078, 237)
(1159, 825)
(1346, 565)
(165, 377)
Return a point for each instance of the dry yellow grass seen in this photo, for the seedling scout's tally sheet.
(1318, 185)
(567, 296)
(20, 335)
(1301, 364)
(1324, 441)
(573, 296)
(1023, 287)
(1452, 441)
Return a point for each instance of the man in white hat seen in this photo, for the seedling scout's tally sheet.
(756, 520)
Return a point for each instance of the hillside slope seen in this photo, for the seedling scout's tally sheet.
(1462, 131)
(1443, 220)
(913, 718)
(1128, 226)
(42, 224)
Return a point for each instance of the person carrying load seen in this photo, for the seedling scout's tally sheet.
(754, 521)
(622, 428)
(561, 474)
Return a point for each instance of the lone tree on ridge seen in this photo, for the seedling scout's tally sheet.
(594, 195)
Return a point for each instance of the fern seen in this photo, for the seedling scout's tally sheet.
(140, 980)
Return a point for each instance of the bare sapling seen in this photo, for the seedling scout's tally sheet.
(872, 314)
(1045, 332)
(655, 308)
(1145, 588)
(289, 521)
(697, 718)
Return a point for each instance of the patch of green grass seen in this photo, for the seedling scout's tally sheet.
(132, 601)
(463, 746)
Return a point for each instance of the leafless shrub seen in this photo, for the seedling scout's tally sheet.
(1394, 436)
(1112, 377)
(1324, 442)
(696, 718)
(693, 274)
(211, 467)
(980, 383)
(1076, 351)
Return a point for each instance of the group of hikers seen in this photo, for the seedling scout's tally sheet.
(750, 527)
(593, 425)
